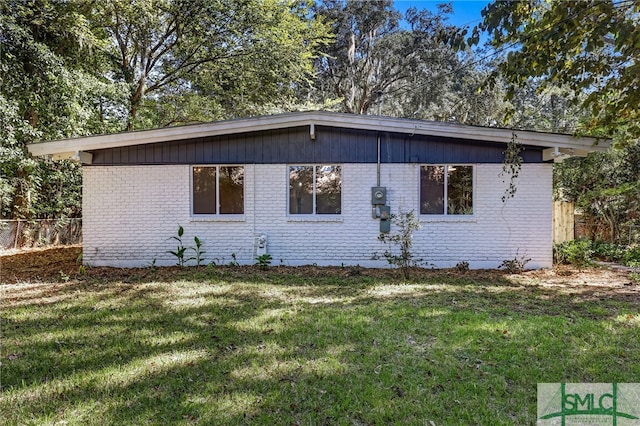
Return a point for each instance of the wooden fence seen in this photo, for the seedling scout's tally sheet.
(563, 222)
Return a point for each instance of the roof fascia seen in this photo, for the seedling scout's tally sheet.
(312, 119)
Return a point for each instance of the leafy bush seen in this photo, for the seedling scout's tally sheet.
(608, 251)
(263, 261)
(576, 252)
(631, 256)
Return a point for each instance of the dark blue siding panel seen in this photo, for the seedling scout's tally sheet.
(269, 147)
(295, 146)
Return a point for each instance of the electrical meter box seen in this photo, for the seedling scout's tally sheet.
(378, 195)
(385, 219)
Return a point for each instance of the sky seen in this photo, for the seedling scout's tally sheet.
(465, 12)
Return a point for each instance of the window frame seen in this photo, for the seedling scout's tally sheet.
(313, 213)
(446, 214)
(217, 215)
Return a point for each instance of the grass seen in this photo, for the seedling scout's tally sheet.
(243, 346)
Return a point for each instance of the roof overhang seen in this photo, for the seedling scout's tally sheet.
(558, 146)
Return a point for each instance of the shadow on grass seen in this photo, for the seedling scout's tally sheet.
(225, 346)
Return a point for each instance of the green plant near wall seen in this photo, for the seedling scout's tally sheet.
(511, 166)
(515, 265)
(264, 261)
(400, 253)
(181, 251)
(198, 252)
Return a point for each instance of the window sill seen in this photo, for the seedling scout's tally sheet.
(221, 218)
(447, 219)
(315, 218)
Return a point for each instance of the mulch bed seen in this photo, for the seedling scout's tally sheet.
(62, 263)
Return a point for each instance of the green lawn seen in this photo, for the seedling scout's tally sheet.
(311, 347)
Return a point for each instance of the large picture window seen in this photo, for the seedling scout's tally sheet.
(218, 190)
(315, 189)
(446, 190)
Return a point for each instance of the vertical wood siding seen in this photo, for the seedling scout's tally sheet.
(293, 145)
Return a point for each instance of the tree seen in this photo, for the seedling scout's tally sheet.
(234, 51)
(373, 55)
(48, 91)
(590, 46)
(605, 187)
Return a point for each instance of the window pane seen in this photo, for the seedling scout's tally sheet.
(231, 186)
(300, 189)
(460, 190)
(328, 189)
(432, 190)
(204, 190)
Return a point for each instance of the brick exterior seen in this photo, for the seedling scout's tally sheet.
(130, 213)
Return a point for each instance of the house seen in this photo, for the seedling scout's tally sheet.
(313, 188)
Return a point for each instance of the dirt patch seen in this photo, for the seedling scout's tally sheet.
(60, 264)
(41, 264)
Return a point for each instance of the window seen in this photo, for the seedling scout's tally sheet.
(218, 190)
(315, 189)
(446, 190)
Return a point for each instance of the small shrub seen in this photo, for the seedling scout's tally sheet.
(462, 266)
(515, 265)
(607, 251)
(403, 240)
(263, 261)
(576, 252)
(631, 257)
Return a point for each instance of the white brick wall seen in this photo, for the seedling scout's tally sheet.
(130, 213)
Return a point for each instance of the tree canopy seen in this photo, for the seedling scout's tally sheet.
(86, 67)
(590, 47)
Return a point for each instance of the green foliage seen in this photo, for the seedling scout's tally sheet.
(50, 88)
(374, 55)
(404, 223)
(264, 261)
(234, 53)
(180, 250)
(607, 251)
(78, 68)
(198, 253)
(575, 252)
(605, 188)
(591, 47)
(180, 253)
(631, 257)
(582, 252)
(511, 166)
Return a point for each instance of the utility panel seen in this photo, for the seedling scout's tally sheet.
(385, 219)
(378, 195)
